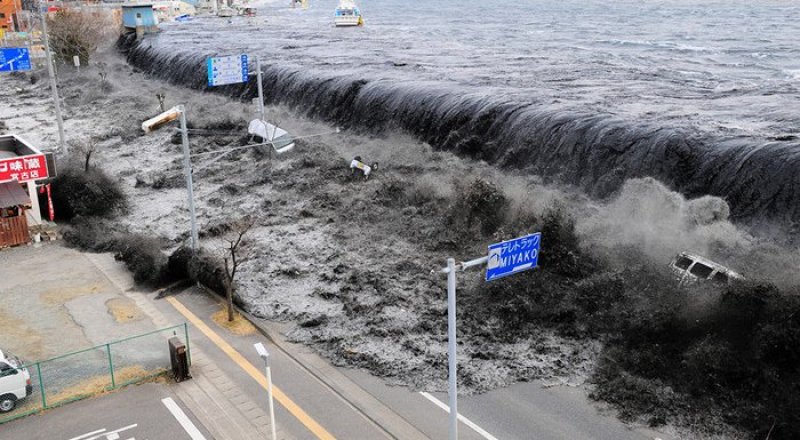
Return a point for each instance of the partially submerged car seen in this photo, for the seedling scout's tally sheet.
(691, 268)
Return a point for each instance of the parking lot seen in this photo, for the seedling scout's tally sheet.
(53, 301)
(142, 412)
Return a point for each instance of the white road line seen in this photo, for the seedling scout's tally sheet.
(88, 434)
(463, 419)
(102, 433)
(179, 415)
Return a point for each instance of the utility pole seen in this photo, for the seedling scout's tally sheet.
(53, 85)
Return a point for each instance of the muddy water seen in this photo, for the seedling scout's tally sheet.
(702, 95)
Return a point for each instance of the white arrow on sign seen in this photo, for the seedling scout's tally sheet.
(12, 61)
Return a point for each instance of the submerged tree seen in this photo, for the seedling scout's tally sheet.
(75, 32)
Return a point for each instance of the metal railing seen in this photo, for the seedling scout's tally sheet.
(106, 367)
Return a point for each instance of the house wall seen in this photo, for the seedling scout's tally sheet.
(8, 8)
(148, 18)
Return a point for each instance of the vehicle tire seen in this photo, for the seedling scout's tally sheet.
(7, 402)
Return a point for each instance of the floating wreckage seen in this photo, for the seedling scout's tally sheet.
(280, 139)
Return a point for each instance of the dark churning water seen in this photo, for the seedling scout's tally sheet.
(703, 95)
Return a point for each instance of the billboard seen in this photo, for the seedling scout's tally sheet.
(24, 168)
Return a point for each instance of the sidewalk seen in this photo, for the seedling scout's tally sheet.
(219, 403)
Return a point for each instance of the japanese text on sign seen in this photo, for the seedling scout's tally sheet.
(24, 168)
(510, 257)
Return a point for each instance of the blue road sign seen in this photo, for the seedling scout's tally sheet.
(14, 58)
(512, 256)
(227, 70)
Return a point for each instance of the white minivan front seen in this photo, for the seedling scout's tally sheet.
(15, 381)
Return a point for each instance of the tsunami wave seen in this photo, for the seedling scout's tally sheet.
(759, 179)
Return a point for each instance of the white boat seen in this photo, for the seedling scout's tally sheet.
(347, 14)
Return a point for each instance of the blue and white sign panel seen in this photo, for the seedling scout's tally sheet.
(227, 70)
(512, 256)
(14, 58)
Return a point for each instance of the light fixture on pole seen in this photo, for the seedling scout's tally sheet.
(168, 116)
(262, 351)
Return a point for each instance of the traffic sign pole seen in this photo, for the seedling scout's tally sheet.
(505, 258)
(187, 169)
(452, 388)
(260, 88)
(53, 85)
(451, 346)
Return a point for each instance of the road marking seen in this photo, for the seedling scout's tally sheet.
(80, 437)
(254, 372)
(112, 435)
(180, 416)
(463, 419)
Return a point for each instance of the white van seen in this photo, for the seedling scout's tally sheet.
(693, 268)
(15, 381)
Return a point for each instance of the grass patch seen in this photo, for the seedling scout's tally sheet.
(240, 326)
(102, 384)
(123, 310)
(61, 295)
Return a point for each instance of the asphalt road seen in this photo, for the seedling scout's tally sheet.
(324, 407)
(522, 411)
(132, 413)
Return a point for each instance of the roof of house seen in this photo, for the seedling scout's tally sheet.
(12, 194)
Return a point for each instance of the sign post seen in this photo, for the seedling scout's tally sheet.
(260, 88)
(504, 258)
(451, 347)
(187, 169)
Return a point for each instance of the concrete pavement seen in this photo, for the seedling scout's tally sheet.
(135, 412)
(218, 401)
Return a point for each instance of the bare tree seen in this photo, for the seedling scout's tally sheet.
(101, 70)
(84, 147)
(78, 32)
(105, 85)
(236, 252)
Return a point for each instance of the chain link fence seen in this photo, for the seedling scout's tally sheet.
(84, 373)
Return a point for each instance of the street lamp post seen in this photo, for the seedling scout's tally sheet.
(262, 351)
(179, 112)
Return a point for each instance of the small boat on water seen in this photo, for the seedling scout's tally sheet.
(347, 14)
